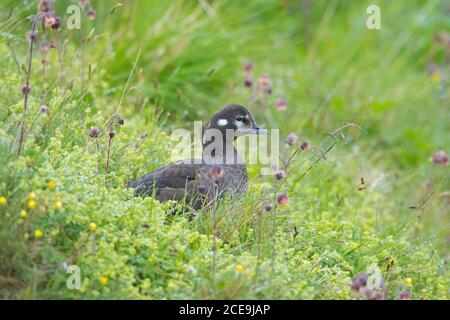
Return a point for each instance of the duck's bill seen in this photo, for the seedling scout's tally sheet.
(257, 130)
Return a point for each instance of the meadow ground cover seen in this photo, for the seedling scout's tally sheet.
(84, 111)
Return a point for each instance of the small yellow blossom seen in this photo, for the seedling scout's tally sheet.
(103, 280)
(3, 201)
(408, 281)
(31, 204)
(239, 268)
(58, 204)
(52, 184)
(23, 214)
(436, 76)
(38, 234)
(31, 196)
(92, 226)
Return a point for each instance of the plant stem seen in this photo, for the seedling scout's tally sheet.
(27, 91)
(274, 225)
(258, 243)
(214, 247)
(111, 136)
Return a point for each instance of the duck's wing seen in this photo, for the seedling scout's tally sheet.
(170, 182)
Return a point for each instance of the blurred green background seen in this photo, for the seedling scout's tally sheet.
(323, 61)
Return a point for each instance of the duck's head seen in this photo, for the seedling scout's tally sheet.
(234, 118)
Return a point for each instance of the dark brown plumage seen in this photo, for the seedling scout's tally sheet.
(221, 170)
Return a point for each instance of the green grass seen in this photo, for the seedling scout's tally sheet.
(329, 68)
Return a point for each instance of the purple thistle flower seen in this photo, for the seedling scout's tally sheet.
(49, 19)
(280, 175)
(282, 199)
(440, 158)
(264, 82)
(359, 283)
(405, 295)
(32, 36)
(57, 24)
(281, 105)
(304, 145)
(83, 3)
(26, 89)
(91, 14)
(44, 6)
(44, 47)
(44, 109)
(94, 132)
(290, 140)
(248, 82)
(248, 67)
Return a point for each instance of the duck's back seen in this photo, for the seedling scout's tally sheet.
(181, 180)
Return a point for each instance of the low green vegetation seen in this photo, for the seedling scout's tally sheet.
(363, 197)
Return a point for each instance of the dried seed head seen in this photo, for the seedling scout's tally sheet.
(49, 19)
(290, 140)
(32, 36)
(57, 24)
(44, 47)
(264, 81)
(280, 175)
(405, 295)
(94, 132)
(248, 67)
(281, 105)
(83, 3)
(304, 145)
(376, 296)
(26, 89)
(44, 109)
(91, 14)
(440, 158)
(360, 281)
(282, 199)
(44, 6)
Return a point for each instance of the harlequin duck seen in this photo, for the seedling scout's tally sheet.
(221, 170)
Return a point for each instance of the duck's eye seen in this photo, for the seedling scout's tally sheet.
(240, 118)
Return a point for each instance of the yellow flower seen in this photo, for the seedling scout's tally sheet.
(23, 214)
(103, 280)
(92, 226)
(408, 281)
(31, 196)
(58, 204)
(31, 204)
(38, 234)
(436, 76)
(3, 201)
(239, 268)
(52, 184)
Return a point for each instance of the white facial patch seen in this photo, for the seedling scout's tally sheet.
(222, 122)
(239, 124)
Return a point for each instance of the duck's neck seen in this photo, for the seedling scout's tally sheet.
(221, 153)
